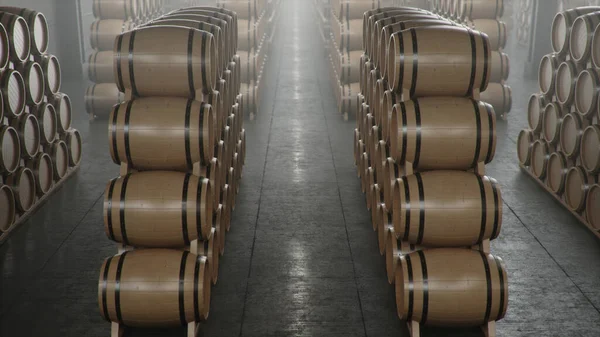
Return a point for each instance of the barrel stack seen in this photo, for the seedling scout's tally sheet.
(112, 17)
(485, 16)
(560, 147)
(39, 149)
(255, 33)
(179, 140)
(345, 45)
(421, 145)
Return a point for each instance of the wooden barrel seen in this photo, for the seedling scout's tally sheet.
(419, 130)
(479, 281)
(414, 74)
(183, 133)
(211, 249)
(156, 72)
(496, 31)
(73, 141)
(234, 18)
(104, 32)
(385, 223)
(64, 111)
(19, 39)
(250, 35)
(557, 172)
(577, 185)
(115, 9)
(228, 36)
(551, 122)
(175, 292)
(592, 211)
(352, 9)
(535, 112)
(500, 67)
(38, 28)
(547, 74)
(59, 153)
(390, 99)
(587, 87)
(595, 48)
(571, 130)
(348, 35)
(33, 78)
(581, 35)
(222, 51)
(566, 76)
(391, 172)
(539, 158)
(499, 96)
(220, 230)
(12, 87)
(473, 209)
(7, 208)
(11, 149)
(4, 48)
(22, 182)
(153, 199)
(52, 74)
(348, 66)
(590, 149)
(100, 98)
(413, 22)
(394, 250)
(524, 146)
(100, 67)
(41, 166)
(479, 9)
(28, 129)
(245, 9)
(561, 27)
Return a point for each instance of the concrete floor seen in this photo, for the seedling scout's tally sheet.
(301, 258)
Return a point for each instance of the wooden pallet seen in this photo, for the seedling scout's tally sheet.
(562, 202)
(41, 201)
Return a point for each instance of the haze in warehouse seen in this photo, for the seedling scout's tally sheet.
(401, 168)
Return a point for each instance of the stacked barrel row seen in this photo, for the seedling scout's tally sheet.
(113, 17)
(485, 16)
(255, 31)
(421, 144)
(180, 143)
(561, 146)
(38, 147)
(346, 49)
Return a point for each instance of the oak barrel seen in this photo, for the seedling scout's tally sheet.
(4, 48)
(116, 9)
(7, 207)
(539, 159)
(576, 188)
(420, 128)
(213, 14)
(500, 67)
(581, 35)
(557, 172)
(101, 97)
(447, 208)
(369, 21)
(479, 9)
(587, 87)
(12, 86)
(158, 209)
(451, 287)
(64, 111)
(571, 130)
(524, 146)
(394, 250)
(100, 67)
(535, 112)
(10, 156)
(590, 149)
(104, 32)
(499, 96)
(19, 38)
(38, 28)
(59, 153)
(551, 122)
(494, 29)
(417, 75)
(176, 291)
(566, 76)
(595, 52)
(592, 211)
(145, 68)
(52, 74)
(74, 144)
(33, 78)
(22, 182)
(41, 166)
(547, 74)
(161, 133)
(28, 128)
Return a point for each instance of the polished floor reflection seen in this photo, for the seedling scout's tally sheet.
(301, 258)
